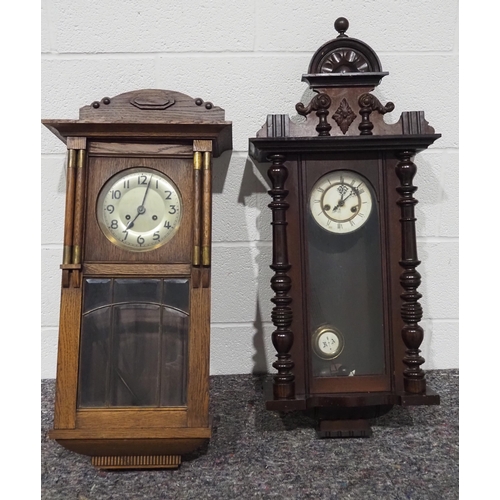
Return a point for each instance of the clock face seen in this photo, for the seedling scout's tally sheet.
(328, 342)
(341, 202)
(139, 209)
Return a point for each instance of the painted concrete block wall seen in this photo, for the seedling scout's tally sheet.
(248, 57)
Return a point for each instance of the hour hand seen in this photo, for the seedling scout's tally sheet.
(140, 210)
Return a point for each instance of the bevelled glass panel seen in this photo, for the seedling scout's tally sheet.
(135, 355)
(137, 290)
(175, 326)
(94, 356)
(97, 293)
(176, 293)
(134, 350)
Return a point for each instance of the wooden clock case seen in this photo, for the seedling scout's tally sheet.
(176, 135)
(343, 128)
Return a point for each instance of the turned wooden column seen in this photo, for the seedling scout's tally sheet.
(282, 337)
(411, 310)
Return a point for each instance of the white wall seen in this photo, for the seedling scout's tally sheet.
(248, 57)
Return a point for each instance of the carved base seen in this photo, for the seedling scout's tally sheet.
(284, 391)
(344, 429)
(430, 397)
(137, 462)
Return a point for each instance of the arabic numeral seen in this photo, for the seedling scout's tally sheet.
(116, 194)
(172, 210)
(114, 224)
(140, 240)
(169, 195)
(156, 236)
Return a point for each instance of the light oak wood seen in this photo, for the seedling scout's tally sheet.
(139, 149)
(67, 359)
(137, 462)
(130, 269)
(125, 418)
(137, 447)
(206, 232)
(197, 179)
(176, 135)
(69, 208)
(138, 433)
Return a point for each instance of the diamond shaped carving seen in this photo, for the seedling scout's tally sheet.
(344, 116)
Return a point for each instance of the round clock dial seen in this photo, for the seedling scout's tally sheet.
(139, 209)
(327, 342)
(341, 201)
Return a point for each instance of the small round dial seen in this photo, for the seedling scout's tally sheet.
(341, 201)
(139, 209)
(327, 342)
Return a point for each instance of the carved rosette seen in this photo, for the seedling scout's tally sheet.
(410, 279)
(282, 337)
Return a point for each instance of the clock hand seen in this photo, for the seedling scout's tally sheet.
(341, 201)
(140, 208)
(147, 189)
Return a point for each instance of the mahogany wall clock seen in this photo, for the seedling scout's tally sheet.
(133, 355)
(347, 308)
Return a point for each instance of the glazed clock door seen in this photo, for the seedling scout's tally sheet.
(347, 338)
(137, 293)
(134, 342)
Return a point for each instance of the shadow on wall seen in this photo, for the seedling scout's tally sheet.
(220, 168)
(254, 184)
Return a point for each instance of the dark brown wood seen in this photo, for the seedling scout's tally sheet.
(369, 103)
(384, 311)
(411, 310)
(321, 104)
(173, 134)
(344, 428)
(284, 381)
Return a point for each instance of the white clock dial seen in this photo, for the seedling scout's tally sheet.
(341, 201)
(328, 342)
(139, 209)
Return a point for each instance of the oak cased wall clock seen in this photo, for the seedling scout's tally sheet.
(346, 305)
(133, 354)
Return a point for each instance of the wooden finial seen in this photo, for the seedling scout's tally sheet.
(341, 25)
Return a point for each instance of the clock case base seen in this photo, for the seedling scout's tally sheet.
(125, 453)
(346, 415)
(346, 400)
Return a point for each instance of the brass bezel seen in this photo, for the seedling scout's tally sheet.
(315, 338)
(111, 181)
(333, 228)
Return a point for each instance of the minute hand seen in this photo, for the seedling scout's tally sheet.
(140, 208)
(341, 201)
